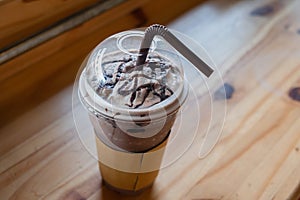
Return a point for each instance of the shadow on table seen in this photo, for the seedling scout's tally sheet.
(108, 194)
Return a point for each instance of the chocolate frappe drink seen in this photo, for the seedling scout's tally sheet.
(133, 99)
(132, 109)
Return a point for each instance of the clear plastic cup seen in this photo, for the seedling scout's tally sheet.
(127, 134)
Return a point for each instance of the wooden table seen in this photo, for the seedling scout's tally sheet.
(256, 45)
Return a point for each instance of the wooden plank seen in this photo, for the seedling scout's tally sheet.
(57, 29)
(21, 19)
(165, 11)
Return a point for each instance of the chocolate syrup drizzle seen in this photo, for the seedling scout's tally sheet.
(164, 92)
(155, 87)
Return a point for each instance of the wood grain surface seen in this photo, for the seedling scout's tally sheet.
(256, 46)
(21, 19)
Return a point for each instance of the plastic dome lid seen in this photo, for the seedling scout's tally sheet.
(111, 82)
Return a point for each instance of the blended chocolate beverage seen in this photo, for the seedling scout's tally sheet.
(132, 109)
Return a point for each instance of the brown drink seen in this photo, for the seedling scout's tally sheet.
(132, 109)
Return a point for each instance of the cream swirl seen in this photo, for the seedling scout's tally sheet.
(131, 86)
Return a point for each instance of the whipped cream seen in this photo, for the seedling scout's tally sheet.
(130, 86)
